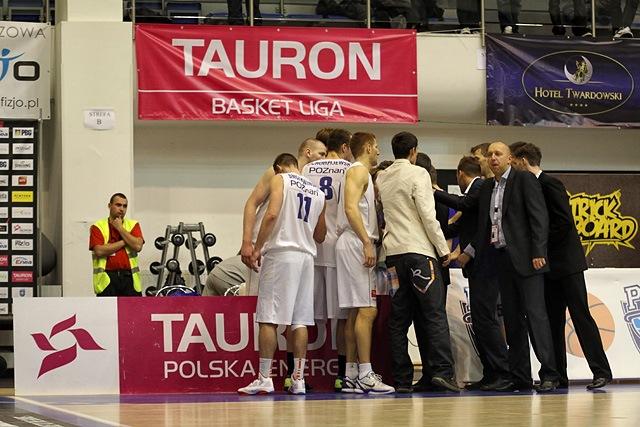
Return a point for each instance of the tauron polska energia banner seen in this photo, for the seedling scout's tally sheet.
(196, 72)
(558, 82)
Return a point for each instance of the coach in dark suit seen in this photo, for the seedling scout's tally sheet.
(483, 283)
(513, 226)
(564, 283)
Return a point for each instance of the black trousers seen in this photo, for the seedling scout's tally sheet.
(578, 21)
(524, 309)
(571, 292)
(468, 12)
(492, 349)
(235, 11)
(422, 337)
(420, 294)
(120, 285)
(621, 18)
(508, 13)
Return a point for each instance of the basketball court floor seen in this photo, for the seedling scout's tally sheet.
(615, 405)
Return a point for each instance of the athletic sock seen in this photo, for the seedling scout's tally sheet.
(265, 367)
(351, 370)
(364, 369)
(290, 364)
(298, 370)
(342, 365)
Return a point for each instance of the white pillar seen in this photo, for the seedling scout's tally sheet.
(94, 69)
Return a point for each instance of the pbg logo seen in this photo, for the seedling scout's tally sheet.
(631, 310)
(56, 358)
(22, 133)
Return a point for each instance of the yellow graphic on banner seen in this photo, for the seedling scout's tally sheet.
(22, 196)
(599, 221)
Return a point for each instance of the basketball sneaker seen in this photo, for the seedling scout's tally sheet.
(297, 387)
(288, 382)
(337, 384)
(372, 384)
(351, 386)
(261, 385)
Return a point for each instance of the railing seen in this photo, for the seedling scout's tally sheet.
(535, 17)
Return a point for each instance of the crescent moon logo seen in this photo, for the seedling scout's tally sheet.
(584, 72)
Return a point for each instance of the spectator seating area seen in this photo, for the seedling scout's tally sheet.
(534, 14)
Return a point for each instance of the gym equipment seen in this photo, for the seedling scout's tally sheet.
(161, 242)
(170, 280)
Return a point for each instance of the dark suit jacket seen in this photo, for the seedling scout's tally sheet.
(566, 255)
(442, 216)
(465, 228)
(525, 222)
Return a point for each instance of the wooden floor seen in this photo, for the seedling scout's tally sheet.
(616, 405)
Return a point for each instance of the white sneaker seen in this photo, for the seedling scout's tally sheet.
(372, 384)
(623, 33)
(465, 30)
(508, 30)
(260, 386)
(350, 385)
(297, 387)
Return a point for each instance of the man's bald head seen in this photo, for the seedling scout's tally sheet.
(499, 156)
(311, 150)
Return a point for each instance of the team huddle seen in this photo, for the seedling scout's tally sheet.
(318, 219)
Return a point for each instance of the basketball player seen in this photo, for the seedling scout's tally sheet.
(285, 247)
(355, 260)
(254, 209)
(328, 174)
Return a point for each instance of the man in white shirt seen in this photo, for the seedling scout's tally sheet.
(413, 243)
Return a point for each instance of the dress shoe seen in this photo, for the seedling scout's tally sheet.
(423, 386)
(404, 389)
(477, 385)
(598, 383)
(446, 383)
(499, 384)
(546, 386)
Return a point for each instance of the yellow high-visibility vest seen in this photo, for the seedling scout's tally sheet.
(100, 277)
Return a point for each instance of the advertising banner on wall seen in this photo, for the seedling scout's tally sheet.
(208, 344)
(557, 82)
(606, 208)
(304, 74)
(25, 56)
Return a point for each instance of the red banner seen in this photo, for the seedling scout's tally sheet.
(209, 344)
(196, 72)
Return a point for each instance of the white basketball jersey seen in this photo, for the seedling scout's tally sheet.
(302, 205)
(367, 208)
(328, 175)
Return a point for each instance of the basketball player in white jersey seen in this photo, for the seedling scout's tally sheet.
(328, 174)
(355, 262)
(285, 249)
(254, 209)
(310, 150)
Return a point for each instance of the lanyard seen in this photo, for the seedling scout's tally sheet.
(496, 202)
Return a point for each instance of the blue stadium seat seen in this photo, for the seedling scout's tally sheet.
(26, 10)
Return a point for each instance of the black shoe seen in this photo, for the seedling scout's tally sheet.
(423, 386)
(446, 383)
(598, 383)
(404, 389)
(476, 386)
(546, 386)
(498, 385)
(563, 384)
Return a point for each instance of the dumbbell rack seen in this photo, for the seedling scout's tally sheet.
(176, 235)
